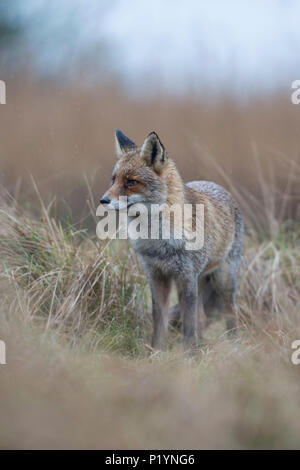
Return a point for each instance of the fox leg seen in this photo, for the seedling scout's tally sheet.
(188, 303)
(224, 281)
(160, 289)
(230, 317)
(176, 315)
(212, 301)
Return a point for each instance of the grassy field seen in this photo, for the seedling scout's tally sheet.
(75, 311)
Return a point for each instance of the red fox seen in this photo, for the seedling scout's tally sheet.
(206, 279)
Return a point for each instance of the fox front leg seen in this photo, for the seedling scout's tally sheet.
(160, 289)
(188, 303)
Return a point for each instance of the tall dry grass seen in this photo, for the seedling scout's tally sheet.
(75, 312)
(73, 283)
(81, 373)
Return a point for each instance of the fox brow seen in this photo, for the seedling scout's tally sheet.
(128, 168)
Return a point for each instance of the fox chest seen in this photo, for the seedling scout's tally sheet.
(165, 256)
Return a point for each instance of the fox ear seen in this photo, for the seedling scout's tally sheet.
(153, 151)
(122, 143)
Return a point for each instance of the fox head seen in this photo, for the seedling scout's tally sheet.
(139, 174)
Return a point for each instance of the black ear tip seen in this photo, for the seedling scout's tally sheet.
(123, 140)
(120, 134)
(153, 134)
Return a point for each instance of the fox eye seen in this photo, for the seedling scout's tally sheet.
(113, 179)
(130, 182)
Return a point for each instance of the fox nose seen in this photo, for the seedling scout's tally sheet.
(105, 200)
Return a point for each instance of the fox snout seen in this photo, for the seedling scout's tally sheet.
(115, 204)
(105, 200)
(109, 203)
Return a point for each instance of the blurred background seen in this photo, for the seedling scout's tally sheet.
(212, 78)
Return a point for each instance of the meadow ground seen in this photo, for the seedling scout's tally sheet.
(75, 311)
